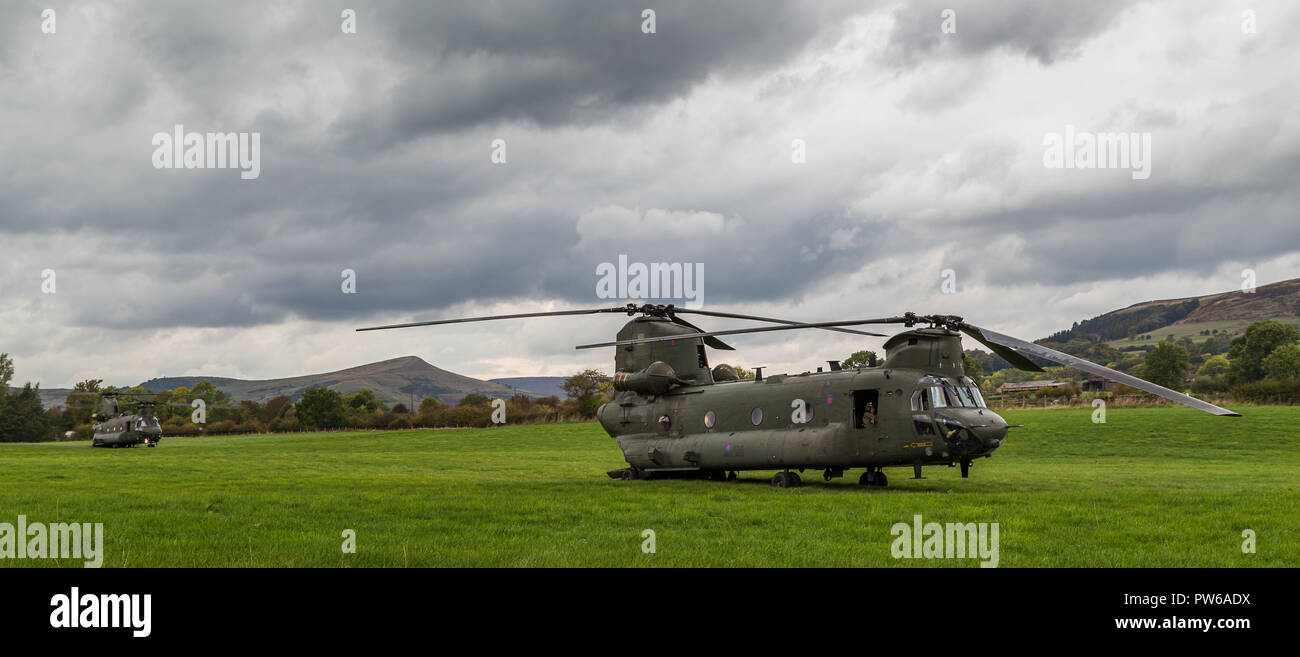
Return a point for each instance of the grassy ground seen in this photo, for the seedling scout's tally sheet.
(1151, 487)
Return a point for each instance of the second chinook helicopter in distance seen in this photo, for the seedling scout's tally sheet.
(114, 427)
(673, 415)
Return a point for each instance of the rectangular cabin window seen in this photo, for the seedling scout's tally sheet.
(866, 407)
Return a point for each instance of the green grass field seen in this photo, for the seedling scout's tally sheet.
(1193, 331)
(1151, 487)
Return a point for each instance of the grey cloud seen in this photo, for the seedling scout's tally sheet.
(391, 178)
(1044, 31)
(569, 62)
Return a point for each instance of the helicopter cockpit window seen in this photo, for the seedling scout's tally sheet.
(966, 399)
(969, 388)
(950, 395)
(917, 403)
(936, 397)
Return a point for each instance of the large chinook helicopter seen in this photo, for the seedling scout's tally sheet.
(114, 427)
(674, 416)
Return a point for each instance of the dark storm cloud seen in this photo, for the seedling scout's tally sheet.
(375, 158)
(1045, 31)
(568, 62)
(393, 182)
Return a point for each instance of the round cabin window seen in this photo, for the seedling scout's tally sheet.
(756, 416)
(710, 419)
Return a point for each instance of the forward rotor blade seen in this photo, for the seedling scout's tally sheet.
(1040, 351)
(711, 341)
(553, 313)
(755, 329)
(713, 313)
(1007, 353)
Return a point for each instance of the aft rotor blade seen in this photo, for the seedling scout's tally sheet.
(1040, 351)
(713, 313)
(755, 329)
(553, 313)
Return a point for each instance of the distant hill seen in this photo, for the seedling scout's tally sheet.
(50, 397)
(396, 380)
(1195, 317)
(541, 386)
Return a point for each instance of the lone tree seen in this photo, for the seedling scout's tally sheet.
(6, 373)
(1248, 352)
(22, 417)
(321, 408)
(973, 367)
(584, 389)
(1167, 365)
(475, 399)
(1283, 363)
(858, 359)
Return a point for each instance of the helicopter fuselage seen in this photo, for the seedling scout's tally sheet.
(673, 414)
(126, 431)
(864, 418)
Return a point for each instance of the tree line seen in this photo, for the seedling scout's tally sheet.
(1260, 365)
(24, 419)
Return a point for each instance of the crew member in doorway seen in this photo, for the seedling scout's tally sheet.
(869, 417)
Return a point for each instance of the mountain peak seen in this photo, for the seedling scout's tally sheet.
(404, 379)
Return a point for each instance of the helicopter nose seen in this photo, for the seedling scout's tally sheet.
(973, 432)
(989, 428)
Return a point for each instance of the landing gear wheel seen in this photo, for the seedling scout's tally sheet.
(785, 480)
(731, 476)
(629, 474)
(873, 478)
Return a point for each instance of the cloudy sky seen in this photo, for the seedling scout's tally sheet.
(923, 136)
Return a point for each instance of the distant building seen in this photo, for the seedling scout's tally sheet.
(1030, 386)
(1097, 385)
